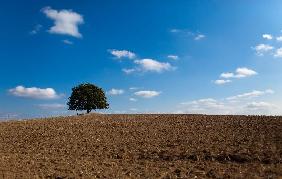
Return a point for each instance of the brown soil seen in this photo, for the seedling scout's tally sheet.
(142, 146)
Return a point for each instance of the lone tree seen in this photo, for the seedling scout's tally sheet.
(87, 97)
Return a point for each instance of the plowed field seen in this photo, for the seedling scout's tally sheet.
(142, 146)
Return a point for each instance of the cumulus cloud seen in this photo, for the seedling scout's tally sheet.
(267, 36)
(244, 72)
(52, 106)
(227, 75)
(122, 54)
(261, 49)
(199, 37)
(34, 92)
(279, 39)
(278, 53)
(153, 65)
(147, 94)
(65, 21)
(252, 94)
(221, 82)
(114, 91)
(173, 57)
(149, 65)
(241, 72)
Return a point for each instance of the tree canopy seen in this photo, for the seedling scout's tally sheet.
(87, 97)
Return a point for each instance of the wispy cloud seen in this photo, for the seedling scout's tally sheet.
(36, 29)
(199, 37)
(206, 105)
(147, 94)
(238, 104)
(261, 107)
(34, 92)
(252, 94)
(122, 53)
(134, 88)
(173, 57)
(68, 42)
(65, 21)
(132, 99)
(52, 106)
(114, 91)
(128, 70)
(185, 32)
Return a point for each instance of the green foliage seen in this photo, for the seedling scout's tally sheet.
(87, 97)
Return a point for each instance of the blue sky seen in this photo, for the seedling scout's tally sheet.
(206, 56)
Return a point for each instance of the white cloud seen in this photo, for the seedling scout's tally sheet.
(147, 94)
(173, 57)
(261, 49)
(258, 105)
(128, 70)
(116, 91)
(207, 105)
(122, 53)
(132, 99)
(279, 39)
(278, 53)
(244, 72)
(231, 105)
(221, 82)
(34, 92)
(252, 94)
(199, 37)
(241, 72)
(262, 108)
(65, 21)
(227, 75)
(153, 65)
(267, 36)
(52, 106)
(67, 42)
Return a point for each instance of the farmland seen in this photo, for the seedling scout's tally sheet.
(142, 146)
